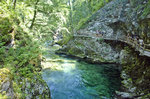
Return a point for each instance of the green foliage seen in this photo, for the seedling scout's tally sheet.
(66, 39)
(3, 96)
(83, 10)
(82, 22)
(145, 7)
(5, 25)
(26, 49)
(100, 39)
(5, 28)
(97, 4)
(146, 10)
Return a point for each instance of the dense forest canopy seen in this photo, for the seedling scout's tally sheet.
(50, 16)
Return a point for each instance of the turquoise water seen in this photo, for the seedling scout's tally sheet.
(73, 79)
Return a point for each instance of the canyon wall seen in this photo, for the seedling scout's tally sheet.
(118, 33)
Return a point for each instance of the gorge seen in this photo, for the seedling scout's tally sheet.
(75, 49)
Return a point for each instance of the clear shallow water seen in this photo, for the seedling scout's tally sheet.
(72, 79)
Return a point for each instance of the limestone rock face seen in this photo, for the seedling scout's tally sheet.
(115, 21)
(6, 87)
(96, 51)
(22, 87)
(34, 88)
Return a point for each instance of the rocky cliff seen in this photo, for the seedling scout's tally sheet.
(21, 87)
(113, 35)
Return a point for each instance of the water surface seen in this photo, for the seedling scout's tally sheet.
(73, 79)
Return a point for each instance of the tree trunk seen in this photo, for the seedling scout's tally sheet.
(71, 17)
(35, 13)
(12, 43)
(14, 3)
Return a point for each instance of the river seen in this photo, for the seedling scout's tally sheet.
(71, 78)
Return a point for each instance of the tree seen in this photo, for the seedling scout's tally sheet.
(34, 16)
(14, 3)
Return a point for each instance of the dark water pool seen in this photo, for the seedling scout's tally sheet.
(72, 79)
